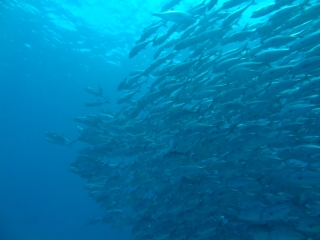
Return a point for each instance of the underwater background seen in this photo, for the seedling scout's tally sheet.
(50, 51)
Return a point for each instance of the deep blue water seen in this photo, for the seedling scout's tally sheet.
(42, 81)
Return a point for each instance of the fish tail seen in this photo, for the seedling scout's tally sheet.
(201, 56)
(246, 49)
(138, 90)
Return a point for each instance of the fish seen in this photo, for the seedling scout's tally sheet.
(263, 11)
(211, 4)
(95, 104)
(175, 16)
(97, 93)
(222, 141)
(137, 48)
(308, 40)
(275, 212)
(169, 5)
(127, 97)
(229, 20)
(306, 66)
(231, 3)
(278, 41)
(308, 224)
(271, 55)
(58, 139)
(149, 32)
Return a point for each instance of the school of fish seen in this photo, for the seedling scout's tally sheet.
(219, 137)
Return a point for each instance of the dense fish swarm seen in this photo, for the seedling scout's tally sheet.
(223, 144)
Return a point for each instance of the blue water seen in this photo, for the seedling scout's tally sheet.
(51, 51)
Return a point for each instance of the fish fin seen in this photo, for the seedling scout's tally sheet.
(154, 40)
(138, 90)
(236, 23)
(253, 2)
(233, 127)
(71, 143)
(245, 46)
(268, 64)
(165, 23)
(100, 91)
(106, 100)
